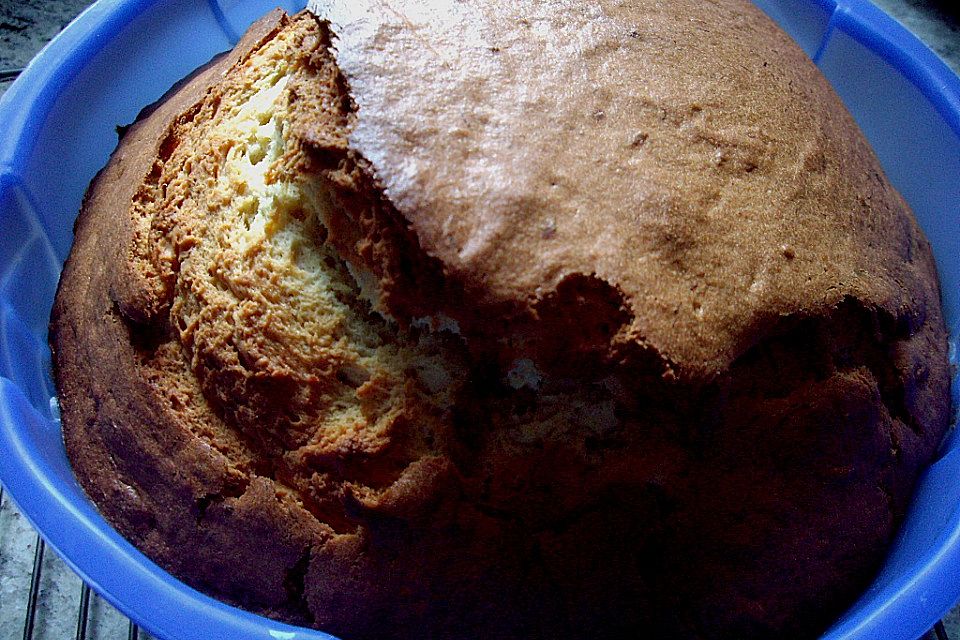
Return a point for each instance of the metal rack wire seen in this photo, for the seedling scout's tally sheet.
(9, 74)
(83, 611)
(940, 631)
(84, 601)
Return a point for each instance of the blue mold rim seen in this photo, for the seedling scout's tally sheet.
(41, 83)
(911, 605)
(878, 32)
(171, 610)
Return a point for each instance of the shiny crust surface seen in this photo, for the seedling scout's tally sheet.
(687, 154)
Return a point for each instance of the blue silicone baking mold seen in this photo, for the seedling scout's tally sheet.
(59, 119)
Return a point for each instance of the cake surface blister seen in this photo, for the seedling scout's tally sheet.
(470, 320)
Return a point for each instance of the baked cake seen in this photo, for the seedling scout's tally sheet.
(505, 320)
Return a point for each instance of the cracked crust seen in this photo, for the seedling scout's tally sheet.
(308, 381)
(506, 138)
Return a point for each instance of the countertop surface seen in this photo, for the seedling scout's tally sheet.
(25, 27)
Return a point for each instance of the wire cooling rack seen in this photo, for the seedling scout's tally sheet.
(25, 585)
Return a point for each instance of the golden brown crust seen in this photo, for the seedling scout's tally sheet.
(507, 138)
(686, 388)
(128, 424)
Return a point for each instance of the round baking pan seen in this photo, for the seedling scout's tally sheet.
(60, 118)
